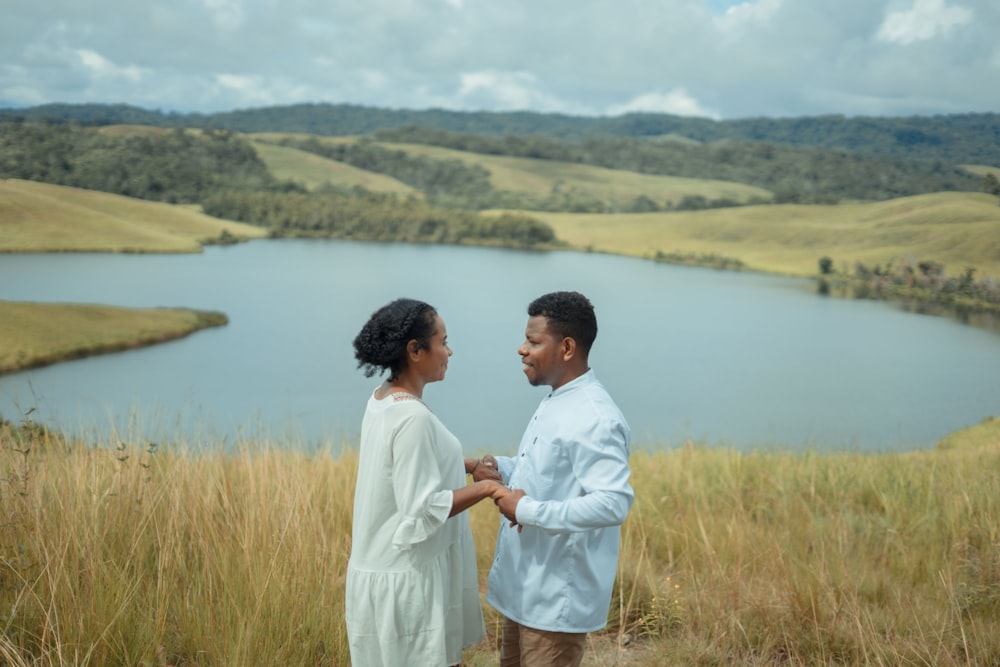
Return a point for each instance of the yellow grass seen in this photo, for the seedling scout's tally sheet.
(312, 171)
(957, 229)
(39, 217)
(36, 334)
(541, 177)
(134, 131)
(137, 554)
(981, 169)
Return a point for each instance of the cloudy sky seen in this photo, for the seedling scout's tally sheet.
(714, 58)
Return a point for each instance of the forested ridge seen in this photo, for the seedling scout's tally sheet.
(953, 139)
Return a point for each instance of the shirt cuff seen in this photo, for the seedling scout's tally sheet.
(413, 530)
(526, 512)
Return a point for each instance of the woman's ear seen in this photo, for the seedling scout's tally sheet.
(413, 349)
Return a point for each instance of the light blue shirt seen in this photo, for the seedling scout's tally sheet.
(558, 573)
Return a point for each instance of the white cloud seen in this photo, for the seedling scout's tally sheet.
(373, 78)
(677, 102)
(505, 90)
(728, 58)
(227, 14)
(102, 67)
(925, 20)
(747, 15)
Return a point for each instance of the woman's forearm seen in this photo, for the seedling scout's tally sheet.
(467, 496)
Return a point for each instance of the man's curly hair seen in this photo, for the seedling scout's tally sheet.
(569, 315)
(381, 344)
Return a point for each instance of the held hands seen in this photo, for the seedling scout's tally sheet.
(505, 498)
(485, 468)
(507, 504)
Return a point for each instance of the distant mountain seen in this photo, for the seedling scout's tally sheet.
(950, 139)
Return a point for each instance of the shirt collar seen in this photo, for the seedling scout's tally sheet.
(586, 378)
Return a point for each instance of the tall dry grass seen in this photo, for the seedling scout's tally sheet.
(136, 554)
(133, 555)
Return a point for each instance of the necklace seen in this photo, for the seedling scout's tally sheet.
(398, 396)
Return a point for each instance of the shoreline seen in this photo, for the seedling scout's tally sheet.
(154, 326)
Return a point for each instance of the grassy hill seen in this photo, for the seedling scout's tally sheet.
(39, 217)
(39, 334)
(981, 169)
(958, 229)
(313, 171)
(541, 177)
(537, 177)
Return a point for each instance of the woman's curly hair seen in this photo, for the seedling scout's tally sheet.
(381, 344)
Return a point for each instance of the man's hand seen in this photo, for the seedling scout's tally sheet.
(486, 468)
(507, 504)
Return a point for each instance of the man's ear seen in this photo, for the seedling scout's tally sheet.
(568, 348)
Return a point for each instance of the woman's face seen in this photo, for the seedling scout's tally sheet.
(432, 363)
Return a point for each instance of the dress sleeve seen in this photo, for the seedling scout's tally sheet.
(417, 481)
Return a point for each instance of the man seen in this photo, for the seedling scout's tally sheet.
(557, 552)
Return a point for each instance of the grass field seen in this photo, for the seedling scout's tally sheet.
(38, 334)
(38, 217)
(982, 170)
(526, 175)
(957, 229)
(130, 553)
(313, 171)
(542, 177)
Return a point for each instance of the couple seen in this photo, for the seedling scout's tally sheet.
(412, 593)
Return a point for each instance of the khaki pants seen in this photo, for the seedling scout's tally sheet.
(526, 647)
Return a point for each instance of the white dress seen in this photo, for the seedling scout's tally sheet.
(412, 595)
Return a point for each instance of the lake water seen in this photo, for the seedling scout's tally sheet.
(732, 359)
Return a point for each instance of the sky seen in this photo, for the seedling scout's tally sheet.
(720, 59)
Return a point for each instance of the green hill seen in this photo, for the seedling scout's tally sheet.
(543, 177)
(957, 229)
(537, 179)
(39, 334)
(39, 217)
(314, 171)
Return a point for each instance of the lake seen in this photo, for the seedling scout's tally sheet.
(741, 360)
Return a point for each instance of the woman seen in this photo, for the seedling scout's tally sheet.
(412, 589)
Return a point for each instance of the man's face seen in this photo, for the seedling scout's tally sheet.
(542, 354)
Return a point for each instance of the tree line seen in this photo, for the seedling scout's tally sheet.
(925, 285)
(176, 167)
(952, 139)
(334, 213)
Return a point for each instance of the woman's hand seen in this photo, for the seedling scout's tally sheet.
(498, 489)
